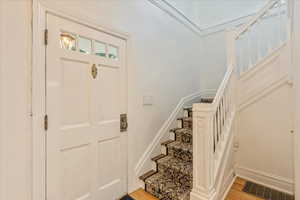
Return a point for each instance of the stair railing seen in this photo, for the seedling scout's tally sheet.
(212, 130)
(213, 124)
(264, 33)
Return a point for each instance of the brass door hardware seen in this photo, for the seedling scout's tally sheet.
(46, 122)
(94, 71)
(123, 122)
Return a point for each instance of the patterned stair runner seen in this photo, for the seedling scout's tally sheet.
(172, 179)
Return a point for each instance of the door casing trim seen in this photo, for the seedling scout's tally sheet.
(39, 12)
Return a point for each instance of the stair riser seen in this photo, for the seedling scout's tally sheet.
(164, 150)
(181, 154)
(187, 124)
(185, 138)
(188, 113)
(172, 179)
(177, 176)
(179, 123)
(161, 192)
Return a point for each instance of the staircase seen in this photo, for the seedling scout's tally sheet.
(172, 179)
(198, 163)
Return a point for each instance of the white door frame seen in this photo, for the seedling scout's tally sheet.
(38, 90)
(296, 64)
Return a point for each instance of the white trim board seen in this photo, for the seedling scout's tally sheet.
(264, 92)
(185, 101)
(272, 55)
(274, 81)
(269, 180)
(229, 181)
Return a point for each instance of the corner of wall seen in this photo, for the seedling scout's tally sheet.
(269, 180)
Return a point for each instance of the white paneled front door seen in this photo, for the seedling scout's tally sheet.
(86, 90)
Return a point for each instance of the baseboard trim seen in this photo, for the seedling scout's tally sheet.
(166, 127)
(272, 181)
(228, 184)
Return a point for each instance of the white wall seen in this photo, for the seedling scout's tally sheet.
(214, 59)
(166, 64)
(265, 141)
(1, 138)
(296, 63)
(15, 125)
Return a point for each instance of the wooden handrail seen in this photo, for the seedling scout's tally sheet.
(254, 20)
(223, 86)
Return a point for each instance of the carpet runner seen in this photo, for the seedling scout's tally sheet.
(173, 177)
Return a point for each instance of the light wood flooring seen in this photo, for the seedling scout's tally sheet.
(235, 193)
(142, 195)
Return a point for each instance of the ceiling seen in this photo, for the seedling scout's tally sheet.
(208, 13)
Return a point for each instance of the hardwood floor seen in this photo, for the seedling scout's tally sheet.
(142, 195)
(235, 193)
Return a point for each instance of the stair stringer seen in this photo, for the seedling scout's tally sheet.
(267, 75)
(226, 178)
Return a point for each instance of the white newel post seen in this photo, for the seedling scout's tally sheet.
(203, 153)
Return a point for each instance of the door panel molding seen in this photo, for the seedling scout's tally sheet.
(38, 88)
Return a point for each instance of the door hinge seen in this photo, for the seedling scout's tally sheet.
(46, 122)
(123, 123)
(46, 37)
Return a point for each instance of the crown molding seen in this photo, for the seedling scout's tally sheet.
(206, 30)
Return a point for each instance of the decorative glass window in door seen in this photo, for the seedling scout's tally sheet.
(113, 52)
(68, 41)
(85, 45)
(74, 42)
(100, 49)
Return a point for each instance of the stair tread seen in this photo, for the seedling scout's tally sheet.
(189, 108)
(182, 146)
(186, 118)
(207, 100)
(167, 142)
(174, 129)
(186, 131)
(158, 157)
(148, 174)
(185, 167)
(166, 188)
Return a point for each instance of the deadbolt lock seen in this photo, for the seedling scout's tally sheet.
(94, 71)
